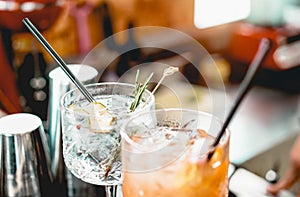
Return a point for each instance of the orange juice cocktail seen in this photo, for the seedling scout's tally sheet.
(164, 153)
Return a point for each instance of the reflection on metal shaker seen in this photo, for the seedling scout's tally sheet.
(59, 85)
(24, 156)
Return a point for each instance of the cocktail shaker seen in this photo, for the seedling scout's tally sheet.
(24, 157)
(59, 85)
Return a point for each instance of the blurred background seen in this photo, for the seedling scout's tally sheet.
(229, 30)
(74, 27)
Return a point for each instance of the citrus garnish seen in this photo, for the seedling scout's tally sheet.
(100, 120)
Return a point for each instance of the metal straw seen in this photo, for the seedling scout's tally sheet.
(61, 63)
(58, 59)
(264, 46)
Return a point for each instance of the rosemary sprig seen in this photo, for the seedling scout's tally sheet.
(139, 90)
(115, 156)
(136, 82)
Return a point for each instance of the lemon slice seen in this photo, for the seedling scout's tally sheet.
(100, 120)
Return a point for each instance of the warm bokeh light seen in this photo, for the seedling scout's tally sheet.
(208, 13)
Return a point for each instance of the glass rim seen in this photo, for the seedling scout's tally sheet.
(126, 137)
(119, 84)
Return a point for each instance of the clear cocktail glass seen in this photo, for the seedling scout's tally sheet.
(164, 153)
(91, 133)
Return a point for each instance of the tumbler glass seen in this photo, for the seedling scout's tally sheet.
(165, 153)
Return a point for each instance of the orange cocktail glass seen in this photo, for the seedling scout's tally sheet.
(164, 153)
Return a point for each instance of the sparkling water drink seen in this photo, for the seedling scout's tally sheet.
(91, 131)
(164, 153)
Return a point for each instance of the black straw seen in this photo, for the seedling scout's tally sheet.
(58, 59)
(264, 46)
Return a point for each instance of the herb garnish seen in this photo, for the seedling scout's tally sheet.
(139, 90)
